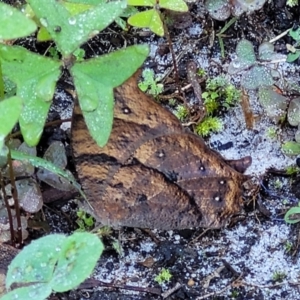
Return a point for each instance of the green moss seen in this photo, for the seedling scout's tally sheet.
(271, 132)
(163, 276)
(278, 276)
(181, 112)
(150, 83)
(201, 72)
(219, 93)
(292, 170)
(209, 125)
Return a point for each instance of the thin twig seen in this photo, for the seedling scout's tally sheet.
(280, 36)
(14, 193)
(169, 292)
(175, 64)
(10, 219)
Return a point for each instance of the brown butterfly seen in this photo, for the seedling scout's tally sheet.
(153, 173)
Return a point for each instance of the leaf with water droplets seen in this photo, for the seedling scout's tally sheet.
(148, 19)
(291, 148)
(141, 2)
(274, 104)
(35, 77)
(37, 291)
(175, 5)
(245, 57)
(294, 112)
(76, 29)
(218, 9)
(245, 52)
(95, 80)
(42, 163)
(10, 110)
(241, 6)
(36, 262)
(256, 77)
(78, 257)
(13, 23)
(266, 52)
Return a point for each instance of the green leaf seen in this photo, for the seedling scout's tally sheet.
(218, 9)
(53, 262)
(42, 163)
(293, 56)
(245, 52)
(39, 291)
(293, 113)
(245, 57)
(74, 30)
(36, 262)
(35, 77)
(43, 35)
(95, 80)
(10, 110)
(273, 103)
(148, 19)
(88, 2)
(295, 34)
(256, 77)
(176, 5)
(75, 8)
(141, 2)
(78, 257)
(13, 24)
(291, 148)
(292, 216)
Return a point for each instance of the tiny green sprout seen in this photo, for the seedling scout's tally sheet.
(219, 93)
(209, 125)
(216, 83)
(201, 72)
(150, 83)
(278, 184)
(53, 52)
(172, 102)
(288, 246)
(163, 276)
(104, 231)
(291, 3)
(278, 276)
(79, 54)
(271, 132)
(210, 102)
(234, 294)
(291, 148)
(181, 112)
(292, 170)
(84, 222)
(285, 201)
(117, 247)
(232, 96)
